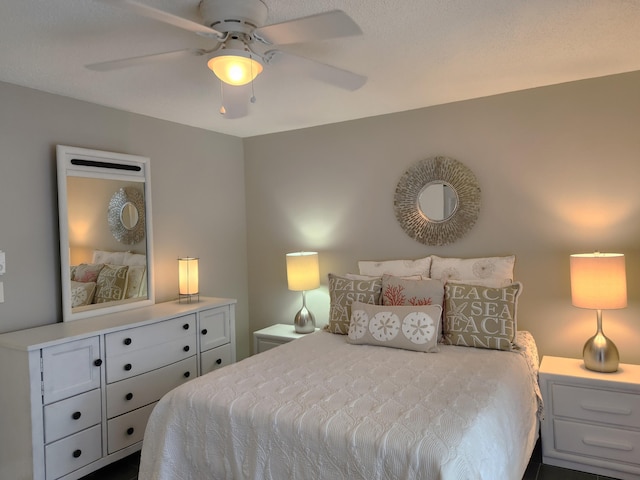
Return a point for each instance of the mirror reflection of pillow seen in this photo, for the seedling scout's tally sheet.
(111, 283)
(114, 258)
(82, 293)
(134, 282)
(87, 272)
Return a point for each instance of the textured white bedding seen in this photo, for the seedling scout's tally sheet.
(320, 408)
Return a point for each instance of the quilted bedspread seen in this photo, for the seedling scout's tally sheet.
(320, 408)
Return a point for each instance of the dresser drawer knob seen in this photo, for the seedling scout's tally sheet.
(98, 362)
(219, 361)
(128, 396)
(76, 415)
(186, 348)
(185, 326)
(187, 374)
(77, 453)
(127, 341)
(130, 431)
(204, 331)
(128, 367)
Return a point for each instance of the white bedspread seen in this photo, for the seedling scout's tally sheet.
(320, 408)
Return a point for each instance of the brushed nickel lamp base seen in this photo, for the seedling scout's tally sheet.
(304, 320)
(600, 354)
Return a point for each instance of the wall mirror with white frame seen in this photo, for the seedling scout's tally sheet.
(106, 244)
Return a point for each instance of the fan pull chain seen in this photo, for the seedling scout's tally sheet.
(222, 109)
(253, 94)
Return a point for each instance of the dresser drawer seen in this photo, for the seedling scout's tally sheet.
(126, 341)
(71, 453)
(127, 429)
(71, 415)
(597, 441)
(214, 328)
(70, 368)
(613, 407)
(147, 388)
(215, 358)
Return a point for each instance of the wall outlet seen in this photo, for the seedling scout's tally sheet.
(3, 265)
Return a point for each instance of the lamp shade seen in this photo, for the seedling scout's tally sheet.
(235, 67)
(598, 281)
(303, 271)
(188, 275)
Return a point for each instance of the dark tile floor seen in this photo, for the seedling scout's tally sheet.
(127, 469)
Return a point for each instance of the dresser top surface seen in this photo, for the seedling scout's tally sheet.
(39, 337)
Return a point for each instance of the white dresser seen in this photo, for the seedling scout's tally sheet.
(592, 420)
(76, 396)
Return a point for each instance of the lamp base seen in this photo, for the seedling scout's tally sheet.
(304, 321)
(600, 354)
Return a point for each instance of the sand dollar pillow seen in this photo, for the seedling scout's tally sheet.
(406, 327)
(82, 293)
(343, 292)
(479, 316)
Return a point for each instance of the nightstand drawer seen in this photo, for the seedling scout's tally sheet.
(597, 441)
(605, 406)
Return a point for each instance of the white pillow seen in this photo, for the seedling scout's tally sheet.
(113, 258)
(486, 271)
(398, 268)
(408, 327)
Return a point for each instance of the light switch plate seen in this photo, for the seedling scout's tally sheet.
(1, 292)
(3, 265)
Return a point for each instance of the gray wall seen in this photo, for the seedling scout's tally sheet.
(197, 186)
(558, 168)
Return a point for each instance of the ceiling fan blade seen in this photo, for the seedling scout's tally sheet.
(235, 100)
(320, 71)
(143, 60)
(323, 26)
(166, 17)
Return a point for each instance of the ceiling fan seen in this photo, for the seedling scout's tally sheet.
(243, 46)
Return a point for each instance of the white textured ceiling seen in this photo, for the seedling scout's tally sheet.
(415, 53)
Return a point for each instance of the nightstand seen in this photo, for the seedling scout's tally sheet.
(274, 336)
(591, 420)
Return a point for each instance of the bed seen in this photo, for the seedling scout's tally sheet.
(449, 403)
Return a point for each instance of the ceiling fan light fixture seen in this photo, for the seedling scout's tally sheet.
(235, 67)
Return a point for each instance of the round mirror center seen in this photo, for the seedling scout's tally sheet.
(438, 201)
(129, 216)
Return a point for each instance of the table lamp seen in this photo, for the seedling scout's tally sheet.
(188, 279)
(303, 273)
(599, 282)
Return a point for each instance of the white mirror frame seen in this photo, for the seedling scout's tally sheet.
(82, 162)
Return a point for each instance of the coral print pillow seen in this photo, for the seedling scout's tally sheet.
(406, 327)
(478, 316)
(400, 291)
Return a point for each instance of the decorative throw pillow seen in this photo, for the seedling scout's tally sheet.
(111, 283)
(136, 275)
(489, 271)
(87, 272)
(82, 293)
(342, 293)
(113, 258)
(406, 327)
(399, 268)
(401, 291)
(479, 316)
